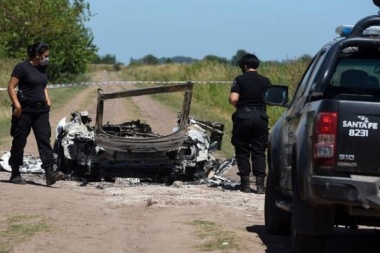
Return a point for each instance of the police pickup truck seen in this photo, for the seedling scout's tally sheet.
(324, 151)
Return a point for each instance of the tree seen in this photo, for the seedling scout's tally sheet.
(150, 60)
(59, 23)
(168, 61)
(107, 59)
(236, 58)
(305, 58)
(215, 59)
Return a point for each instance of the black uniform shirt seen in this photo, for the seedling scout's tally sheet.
(32, 81)
(250, 86)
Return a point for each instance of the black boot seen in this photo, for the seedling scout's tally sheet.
(53, 175)
(16, 176)
(245, 186)
(260, 185)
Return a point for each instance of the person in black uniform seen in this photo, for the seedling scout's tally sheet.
(30, 110)
(250, 123)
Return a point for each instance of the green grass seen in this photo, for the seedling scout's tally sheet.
(6, 67)
(18, 228)
(215, 237)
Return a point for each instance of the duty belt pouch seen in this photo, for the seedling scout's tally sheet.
(20, 96)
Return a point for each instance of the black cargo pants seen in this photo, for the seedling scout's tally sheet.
(34, 117)
(250, 137)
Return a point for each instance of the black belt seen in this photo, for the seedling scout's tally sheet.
(37, 105)
(251, 108)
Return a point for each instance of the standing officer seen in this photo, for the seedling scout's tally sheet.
(30, 110)
(250, 123)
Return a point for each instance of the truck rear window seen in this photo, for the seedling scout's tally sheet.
(357, 73)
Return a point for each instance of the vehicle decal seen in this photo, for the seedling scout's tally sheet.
(347, 164)
(359, 128)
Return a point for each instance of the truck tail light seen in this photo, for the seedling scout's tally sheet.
(325, 139)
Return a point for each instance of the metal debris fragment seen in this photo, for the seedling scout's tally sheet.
(126, 181)
(31, 164)
(219, 181)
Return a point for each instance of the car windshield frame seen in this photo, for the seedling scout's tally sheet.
(144, 144)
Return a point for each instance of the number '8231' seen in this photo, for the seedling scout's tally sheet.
(358, 132)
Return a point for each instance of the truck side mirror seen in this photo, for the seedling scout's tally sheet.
(276, 95)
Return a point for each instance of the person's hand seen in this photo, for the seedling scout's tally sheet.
(17, 111)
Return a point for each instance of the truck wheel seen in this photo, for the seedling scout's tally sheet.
(277, 221)
(310, 223)
(303, 243)
(309, 226)
(304, 235)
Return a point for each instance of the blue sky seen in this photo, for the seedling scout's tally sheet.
(273, 30)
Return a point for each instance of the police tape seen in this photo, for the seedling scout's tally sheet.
(65, 85)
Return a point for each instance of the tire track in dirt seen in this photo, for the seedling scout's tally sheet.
(157, 115)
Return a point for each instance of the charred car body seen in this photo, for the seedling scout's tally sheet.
(131, 149)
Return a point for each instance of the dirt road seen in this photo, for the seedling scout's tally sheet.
(109, 217)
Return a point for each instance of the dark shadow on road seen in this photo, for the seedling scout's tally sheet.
(274, 243)
(363, 240)
(29, 182)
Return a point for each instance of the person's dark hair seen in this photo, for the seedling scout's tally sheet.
(249, 60)
(37, 48)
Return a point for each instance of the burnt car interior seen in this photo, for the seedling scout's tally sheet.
(113, 143)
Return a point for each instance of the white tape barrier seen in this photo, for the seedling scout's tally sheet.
(64, 85)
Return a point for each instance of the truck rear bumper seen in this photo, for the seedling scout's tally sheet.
(352, 191)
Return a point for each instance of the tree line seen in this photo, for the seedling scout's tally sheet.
(152, 60)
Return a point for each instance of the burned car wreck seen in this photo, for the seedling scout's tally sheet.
(132, 150)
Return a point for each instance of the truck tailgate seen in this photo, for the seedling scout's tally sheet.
(358, 140)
